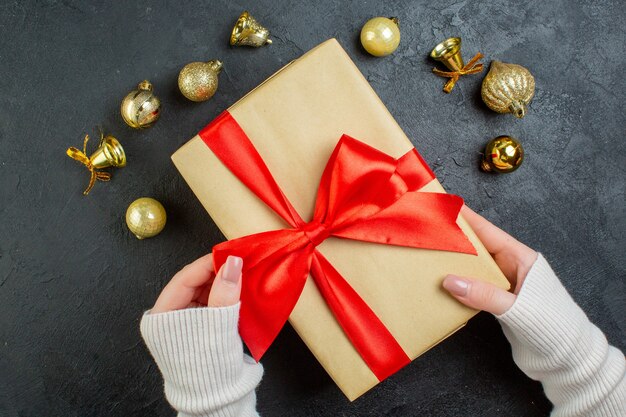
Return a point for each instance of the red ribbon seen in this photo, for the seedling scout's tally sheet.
(364, 194)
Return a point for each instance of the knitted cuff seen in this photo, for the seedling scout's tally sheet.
(554, 342)
(200, 355)
(544, 315)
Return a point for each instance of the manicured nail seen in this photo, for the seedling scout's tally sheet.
(456, 285)
(232, 269)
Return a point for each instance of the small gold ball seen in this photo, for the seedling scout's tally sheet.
(380, 36)
(503, 154)
(141, 108)
(198, 80)
(145, 217)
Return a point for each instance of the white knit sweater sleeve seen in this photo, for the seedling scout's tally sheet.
(554, 342)
(206, 373)
(200, 355)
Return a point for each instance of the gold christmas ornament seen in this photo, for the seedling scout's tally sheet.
(141, 108)
(508, 88)
(380, 36)
(109, 154)
(448, 52)
(503, 154)
(248, 32)
(145, 217)
(198, 80)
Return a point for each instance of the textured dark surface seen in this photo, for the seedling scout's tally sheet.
(74, 282)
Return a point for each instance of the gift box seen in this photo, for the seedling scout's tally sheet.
(311, 146)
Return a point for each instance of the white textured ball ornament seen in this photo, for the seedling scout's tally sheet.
(380, 36)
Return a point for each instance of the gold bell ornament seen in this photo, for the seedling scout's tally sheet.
(198, 80)
(141, 108)
(109, 154)
(448, 52)
(380, 36)
(248, 32)
(145, 217)
(503, 154)
(508, 88)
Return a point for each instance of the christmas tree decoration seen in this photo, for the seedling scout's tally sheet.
(145, 217)
(503, 154)
(248, 32)
(141, 108)
(109, 154)
(380, 36)
(198, 80)
(448, 52)
(508, 88)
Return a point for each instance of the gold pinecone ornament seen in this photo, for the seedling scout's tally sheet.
(198, 80)
(508, 88)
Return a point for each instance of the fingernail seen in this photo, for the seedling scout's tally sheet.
(456, 285)
(232, 269)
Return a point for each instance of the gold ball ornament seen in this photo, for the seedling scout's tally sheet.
(502, 155)
(145, 217)
(198, 80)
(508, 88)
(141, 108)
(380, 36)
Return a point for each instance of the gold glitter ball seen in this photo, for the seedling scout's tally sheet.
(145, 217)
(198, 80)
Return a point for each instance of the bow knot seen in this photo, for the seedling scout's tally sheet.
(316, 232)
(472, 67)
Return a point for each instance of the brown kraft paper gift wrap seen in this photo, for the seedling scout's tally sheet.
(294, 119)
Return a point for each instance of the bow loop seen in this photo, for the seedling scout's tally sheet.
(78, 155)
(360, 181)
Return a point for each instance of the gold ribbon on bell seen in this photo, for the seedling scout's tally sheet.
(248, 32)
(109, 154)
(448, 52)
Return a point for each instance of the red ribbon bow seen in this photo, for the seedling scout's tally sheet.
(364, 194)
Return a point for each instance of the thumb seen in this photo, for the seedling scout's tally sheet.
(226, 287)
(479, 295)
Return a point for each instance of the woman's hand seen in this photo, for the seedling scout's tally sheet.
(514, 259)
(197, 285)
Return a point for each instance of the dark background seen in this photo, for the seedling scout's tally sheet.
(74, 282)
